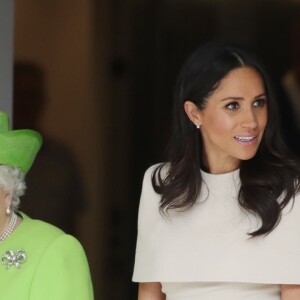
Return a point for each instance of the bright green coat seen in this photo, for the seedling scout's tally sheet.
(56, 267)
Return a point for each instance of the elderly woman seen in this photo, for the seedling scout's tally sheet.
(38, 260)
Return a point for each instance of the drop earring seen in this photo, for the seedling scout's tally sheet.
(8, 211)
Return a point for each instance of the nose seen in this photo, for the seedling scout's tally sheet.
(249, 119)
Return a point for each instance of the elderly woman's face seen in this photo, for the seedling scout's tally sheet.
(234, 120)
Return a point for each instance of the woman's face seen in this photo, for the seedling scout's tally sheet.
(234, 120)
(4, 203)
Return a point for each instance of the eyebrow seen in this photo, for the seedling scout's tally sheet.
(241, 98)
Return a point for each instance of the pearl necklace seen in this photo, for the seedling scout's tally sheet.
(9, 227)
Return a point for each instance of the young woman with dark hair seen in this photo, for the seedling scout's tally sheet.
(221, 218)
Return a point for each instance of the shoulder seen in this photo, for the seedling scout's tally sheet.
(162, 168)
(151, 169)
(44, 236)
(56, 246)
(65, 250)
(41, 230)
(159, 171)
(286, 236)
(65, 243)
(149, 205)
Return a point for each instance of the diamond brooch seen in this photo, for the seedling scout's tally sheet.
(13, 258)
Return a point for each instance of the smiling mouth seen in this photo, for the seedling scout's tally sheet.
(245, 138)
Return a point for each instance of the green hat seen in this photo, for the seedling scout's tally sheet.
(18, 148)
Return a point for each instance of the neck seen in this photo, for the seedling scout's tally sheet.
(10, 226)
(4, 222)
(219, 167)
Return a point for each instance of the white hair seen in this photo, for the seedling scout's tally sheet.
(12, 180)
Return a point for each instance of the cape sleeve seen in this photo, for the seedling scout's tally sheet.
(149, 220)
(210, 243)
(63, 272)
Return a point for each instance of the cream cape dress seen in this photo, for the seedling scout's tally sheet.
(205, 253)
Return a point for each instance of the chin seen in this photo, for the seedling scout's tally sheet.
(247, 156)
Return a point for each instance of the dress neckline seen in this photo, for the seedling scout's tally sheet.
(221, 182)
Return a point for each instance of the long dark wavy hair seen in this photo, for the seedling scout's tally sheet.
(272, 173)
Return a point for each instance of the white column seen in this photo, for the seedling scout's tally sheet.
(6, 54)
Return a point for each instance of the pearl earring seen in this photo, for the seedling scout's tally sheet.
(197, 126)
(7, 211)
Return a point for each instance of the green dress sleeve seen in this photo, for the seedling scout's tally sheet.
(62, 273)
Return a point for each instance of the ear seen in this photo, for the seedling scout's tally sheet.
(8, 199)
(193, 113)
